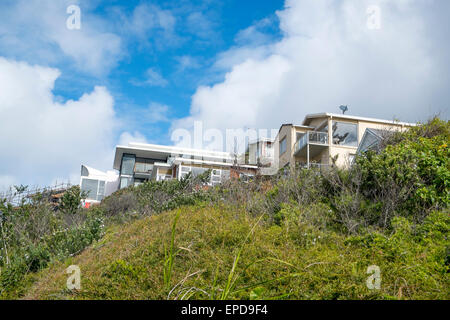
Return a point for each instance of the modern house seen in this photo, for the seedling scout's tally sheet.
(260, 152)
(139, 162)
(97, 184)
(325, 139)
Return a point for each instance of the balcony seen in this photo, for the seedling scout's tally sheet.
(143, 170)
(314, 138)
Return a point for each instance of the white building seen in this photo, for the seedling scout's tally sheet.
(97, 184)
(139, 162)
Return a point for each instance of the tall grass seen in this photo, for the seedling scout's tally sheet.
(169, 253)
(232, 277)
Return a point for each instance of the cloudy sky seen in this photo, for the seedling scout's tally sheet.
(138, 70)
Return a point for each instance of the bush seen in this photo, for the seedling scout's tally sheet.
(411, 177)
(71, 200)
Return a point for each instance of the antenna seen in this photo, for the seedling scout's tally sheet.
(343, 108)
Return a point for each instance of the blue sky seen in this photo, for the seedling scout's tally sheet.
(140, 70)
(183, 59)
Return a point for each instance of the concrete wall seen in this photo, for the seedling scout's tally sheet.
(286, 131)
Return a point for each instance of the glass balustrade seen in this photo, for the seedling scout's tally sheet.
(311, 137)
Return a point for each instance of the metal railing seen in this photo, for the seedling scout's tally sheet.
(23, 194)
(311, 137)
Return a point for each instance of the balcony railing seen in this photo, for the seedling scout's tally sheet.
(143, 167)
(311, 137)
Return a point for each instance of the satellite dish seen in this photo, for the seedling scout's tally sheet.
(343, 108)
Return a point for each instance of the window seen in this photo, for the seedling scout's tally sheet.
(128, 161)
(101, 190)
(196, 171)
(95, 189)
(90, 187)
(139, 181)
(345, 134)
(184, 171)
(246, 177)
(144, 165)
(225, 175)
(351, 158)
(216, 176)
(84, 171)
(162, 177)
(125, 182)
(283, 146)
(369, 141)
(323, 128)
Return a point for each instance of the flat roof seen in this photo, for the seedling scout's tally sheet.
(262, 139)
(159, 152)
(295, 125)
(343, 116)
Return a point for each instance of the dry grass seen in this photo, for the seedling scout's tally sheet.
(292, 261)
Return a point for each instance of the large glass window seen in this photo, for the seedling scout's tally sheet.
(368, 142)
(184, 171)
(125, 182)
(95, 189)
(196, 171)
(345, 134)
(299, 135)
(101, 190)
(283, 146)
(90, 187)
(128, 161)
(144, 165)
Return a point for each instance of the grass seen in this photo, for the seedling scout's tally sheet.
(169, 254)
(190, 253)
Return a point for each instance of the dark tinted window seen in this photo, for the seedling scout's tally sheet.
(345, 134)
(128, 161)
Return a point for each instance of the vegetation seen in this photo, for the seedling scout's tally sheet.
(307, 235)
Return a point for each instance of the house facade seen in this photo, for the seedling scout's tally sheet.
(325, 139)
(140, 162)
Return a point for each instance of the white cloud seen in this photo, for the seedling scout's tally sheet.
(127, 137)
(187, 62)
(149, 24)
(200, 25)
(152, 78)
(36, 31)
(255, 34)
(43, 140)
(328, 57)
(148, 18)
(157, 113)
(6, 182)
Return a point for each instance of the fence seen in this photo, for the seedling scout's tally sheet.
(18, 195)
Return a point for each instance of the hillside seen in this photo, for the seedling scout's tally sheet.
(293, 261)
(302, 234)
